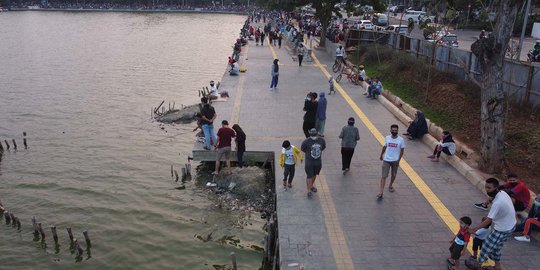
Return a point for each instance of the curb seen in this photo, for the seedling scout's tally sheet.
(474, 176)
(463, 168)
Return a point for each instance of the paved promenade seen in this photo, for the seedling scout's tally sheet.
(344, 226)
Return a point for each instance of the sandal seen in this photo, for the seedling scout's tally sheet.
(284, 183)
(379, 196)
(450, 262)
(391, 189)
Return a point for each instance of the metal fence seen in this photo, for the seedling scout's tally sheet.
(521, 81)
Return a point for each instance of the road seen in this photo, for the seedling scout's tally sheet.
(467, 37)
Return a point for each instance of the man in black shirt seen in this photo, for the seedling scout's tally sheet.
(207, 123)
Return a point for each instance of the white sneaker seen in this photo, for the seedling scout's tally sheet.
(522, 238)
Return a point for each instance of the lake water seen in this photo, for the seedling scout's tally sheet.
(82, 86)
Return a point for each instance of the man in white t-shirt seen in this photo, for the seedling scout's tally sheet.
(502, 216)
(340, 54)
(391, 154)
(214, 94)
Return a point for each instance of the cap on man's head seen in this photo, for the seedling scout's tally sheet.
(211, 82)
(312, 132)
(225, 122)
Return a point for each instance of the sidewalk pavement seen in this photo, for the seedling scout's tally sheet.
(344, 226)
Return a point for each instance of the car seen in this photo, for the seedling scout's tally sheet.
(418, 16)
(365, 25)
(380, 19)
(449, 40)
(397, 29)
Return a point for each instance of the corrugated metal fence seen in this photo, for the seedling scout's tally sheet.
(521, 81)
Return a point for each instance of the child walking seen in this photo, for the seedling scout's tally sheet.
(459, 243)
(288, 159)
(331, 83)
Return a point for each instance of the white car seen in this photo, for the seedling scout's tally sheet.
(365, 25)
(397, 29)
(418, 16)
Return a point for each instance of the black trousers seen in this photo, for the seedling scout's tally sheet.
(300, 58)
(444, 150)
(288, 173)
(307, 126)
(346, 157)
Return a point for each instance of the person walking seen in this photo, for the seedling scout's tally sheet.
(223, 146)
(313, 148)
(349, 137)
(207, 123)
(279, 38)
(310, 117)
(240, 141)
(391, 154)
(321, 114)
(502, 216)
(300, 52)
(263, 35)
(287, 160)
(275, 74)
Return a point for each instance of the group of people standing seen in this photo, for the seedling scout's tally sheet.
(222, 141)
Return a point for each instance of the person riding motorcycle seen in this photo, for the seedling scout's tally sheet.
(483, 34)
(535, 53)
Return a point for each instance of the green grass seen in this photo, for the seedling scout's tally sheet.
(407, 93)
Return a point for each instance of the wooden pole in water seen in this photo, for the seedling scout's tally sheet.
(157, 109)
(70, 234)
(7, 217)
(233, 259)
(87, 239)
(34, 225)
(14, 144)
(176, 175)
(24, 140)
(54, 234)
(7, 144)
(18, 223)
(12, 217)
(188, 169)
(1, 148)
(41, 232)
(174, 103)
(172, 172)
(78, 247)
(184, 174)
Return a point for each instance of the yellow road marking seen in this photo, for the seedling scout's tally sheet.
(334, 230)
(333, 226)
(429, 195)
(235, 114)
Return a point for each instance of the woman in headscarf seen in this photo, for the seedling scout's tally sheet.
(418, 127)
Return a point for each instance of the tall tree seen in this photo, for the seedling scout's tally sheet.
(491, 52)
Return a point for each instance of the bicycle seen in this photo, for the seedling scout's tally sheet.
(352, 75)
(338, 65)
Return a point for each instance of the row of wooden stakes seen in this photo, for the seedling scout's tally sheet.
(38, 231)
(14, 144)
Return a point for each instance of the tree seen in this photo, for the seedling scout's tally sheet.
(490, 52)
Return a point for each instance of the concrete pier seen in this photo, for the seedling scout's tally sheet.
(343, 226)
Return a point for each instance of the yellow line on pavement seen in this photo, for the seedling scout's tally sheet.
(334, 230)
(336, 236)
(429, 195)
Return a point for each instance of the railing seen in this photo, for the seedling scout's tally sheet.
(519, 79)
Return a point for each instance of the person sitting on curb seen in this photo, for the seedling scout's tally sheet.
(446, 145)
(235, 68)
(531, 223)
(418, 127)
(375, 88)
(519, 193)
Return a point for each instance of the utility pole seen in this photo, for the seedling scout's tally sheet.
(526, 17)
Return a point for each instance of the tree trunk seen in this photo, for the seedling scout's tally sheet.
(322, 42)
(490, 52)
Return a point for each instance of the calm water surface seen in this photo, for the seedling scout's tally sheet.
(82, 86)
